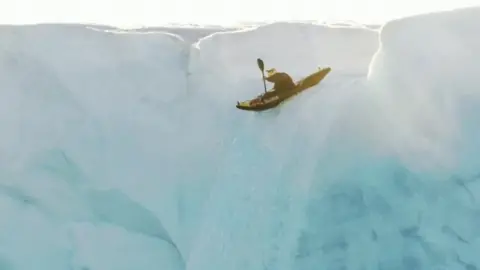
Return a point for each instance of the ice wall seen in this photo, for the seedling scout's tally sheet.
(426, 79)
(74, 104)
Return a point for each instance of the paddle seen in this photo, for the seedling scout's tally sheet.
(261, 66)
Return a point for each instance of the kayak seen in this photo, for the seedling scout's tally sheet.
(271, 99)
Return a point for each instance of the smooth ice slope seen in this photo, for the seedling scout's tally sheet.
(125, 150)
(256, 185)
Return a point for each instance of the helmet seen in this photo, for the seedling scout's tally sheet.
(271, 71)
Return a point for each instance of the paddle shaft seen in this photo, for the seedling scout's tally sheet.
(261, 66)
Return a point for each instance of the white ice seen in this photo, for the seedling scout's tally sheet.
(124, 149)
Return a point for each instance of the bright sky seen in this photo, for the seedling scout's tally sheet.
(135, 13)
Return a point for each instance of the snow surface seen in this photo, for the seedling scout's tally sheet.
(124, 150)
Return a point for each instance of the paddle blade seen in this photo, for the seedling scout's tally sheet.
(260, 64)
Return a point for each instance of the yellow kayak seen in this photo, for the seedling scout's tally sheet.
(270, 99)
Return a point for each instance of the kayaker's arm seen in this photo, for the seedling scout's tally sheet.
(274, 78)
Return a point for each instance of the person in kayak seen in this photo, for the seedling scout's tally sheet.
(281, 80)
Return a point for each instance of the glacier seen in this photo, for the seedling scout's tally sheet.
(124, 150)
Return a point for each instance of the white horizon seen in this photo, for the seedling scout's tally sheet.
(149, 13)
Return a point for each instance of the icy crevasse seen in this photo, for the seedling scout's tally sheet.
(258, 193)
